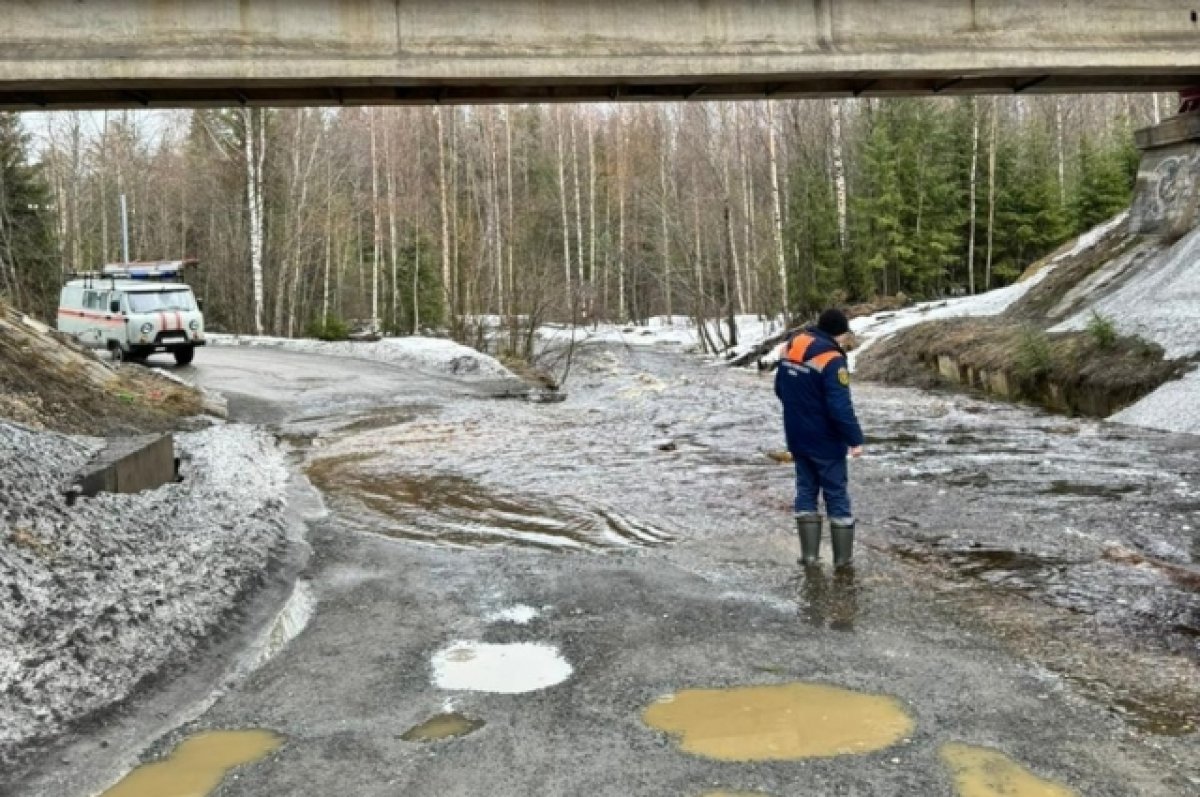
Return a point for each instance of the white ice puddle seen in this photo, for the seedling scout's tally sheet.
(518, 615)
(502, 669)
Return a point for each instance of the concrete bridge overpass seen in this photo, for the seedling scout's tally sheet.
(172, 53)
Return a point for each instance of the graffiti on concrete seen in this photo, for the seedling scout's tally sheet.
(1167, 193)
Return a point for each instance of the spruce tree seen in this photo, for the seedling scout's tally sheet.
(28, 260)
(1105, 186)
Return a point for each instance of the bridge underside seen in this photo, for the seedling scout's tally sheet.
(172, 53)
(308, 92)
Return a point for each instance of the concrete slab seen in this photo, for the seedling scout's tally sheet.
(129, 465)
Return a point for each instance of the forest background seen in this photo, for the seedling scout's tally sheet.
(454, 219)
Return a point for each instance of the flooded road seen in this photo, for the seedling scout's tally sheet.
(501, 589)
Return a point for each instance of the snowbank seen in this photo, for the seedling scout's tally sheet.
(1159, 300)
(677, 332)
(1174, 407)
(1155, 297)
(103, 594)
(869, 329)
(428, 354)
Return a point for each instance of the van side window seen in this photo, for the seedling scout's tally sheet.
(91, 300)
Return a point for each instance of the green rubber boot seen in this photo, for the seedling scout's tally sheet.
(809, 529)
(842, 537)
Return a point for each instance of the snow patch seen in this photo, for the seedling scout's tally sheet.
(105, 593)
(501, 669)
(518, 615)
(678, 333)
(1159, 302)
(429, 354)
(869, 329)
(1174, 407)
(290, 621)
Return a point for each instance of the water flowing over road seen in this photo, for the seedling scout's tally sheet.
(1025, 584)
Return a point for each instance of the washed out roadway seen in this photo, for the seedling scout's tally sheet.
(1012, 660)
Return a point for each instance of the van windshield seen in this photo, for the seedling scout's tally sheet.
(161, 300)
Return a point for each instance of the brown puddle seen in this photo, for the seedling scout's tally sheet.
(378, 419)
(442, 726)
(983, 772)
(197, 765)
(449, 510)
(781, 722)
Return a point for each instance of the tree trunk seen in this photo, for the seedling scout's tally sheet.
(730, 266)
(562, 196)
(377, 228)
(447, 305)
(777, 212)
(666, 240)
(578, 207)
(731, 247)
(622, 314)
(255, 144)
(1060, 134)
(971, 200)
(512, 230)
(417, 218)
(328, 241)
(393, 238)
(494, 199)
(698, 257)
(591, 152)
(987, 272)
(839, 171)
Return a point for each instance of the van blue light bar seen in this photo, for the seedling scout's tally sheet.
(160, 270)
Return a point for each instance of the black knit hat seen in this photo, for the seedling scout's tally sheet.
(833, 323)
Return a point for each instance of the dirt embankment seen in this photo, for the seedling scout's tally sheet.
(49, 382)
(1029, 352)
(1081, 373)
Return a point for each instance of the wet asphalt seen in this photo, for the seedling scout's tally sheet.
(1022, 583)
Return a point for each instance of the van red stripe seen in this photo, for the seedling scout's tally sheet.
(103, 319)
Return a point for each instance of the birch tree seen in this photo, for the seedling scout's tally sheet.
(440, 117)
(777, 211)
(256, 151)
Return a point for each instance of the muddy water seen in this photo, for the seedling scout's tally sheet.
(1002, 515)
(983, 772)
(454, 511)
(781, 722)
(442, 726)
(198, 765)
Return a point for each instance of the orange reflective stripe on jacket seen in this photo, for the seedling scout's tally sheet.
(819, 362)
(799, 349)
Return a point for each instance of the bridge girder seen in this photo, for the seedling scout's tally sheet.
(176, 53)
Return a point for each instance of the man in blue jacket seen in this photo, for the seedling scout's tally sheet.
(813, 382)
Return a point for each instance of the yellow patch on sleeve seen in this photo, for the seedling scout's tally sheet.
(844, 377)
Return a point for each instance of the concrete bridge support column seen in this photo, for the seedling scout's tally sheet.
(1166, 200)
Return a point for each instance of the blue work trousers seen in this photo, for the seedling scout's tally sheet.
(828, 477)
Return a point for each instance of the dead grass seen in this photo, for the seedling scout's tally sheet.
(1035, 306)
(1069, 372)
(47, 381)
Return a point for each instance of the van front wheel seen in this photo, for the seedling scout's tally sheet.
(184, 355)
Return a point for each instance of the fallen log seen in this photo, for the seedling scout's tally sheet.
(762, 348)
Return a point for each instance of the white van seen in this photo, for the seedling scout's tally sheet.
(134, 310)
